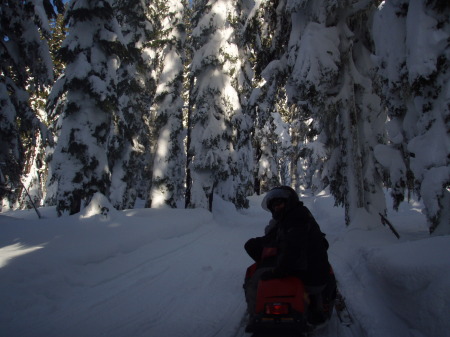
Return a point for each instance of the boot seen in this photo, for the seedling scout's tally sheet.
(316, 315)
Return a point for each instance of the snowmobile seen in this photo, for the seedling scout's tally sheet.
(282, 306)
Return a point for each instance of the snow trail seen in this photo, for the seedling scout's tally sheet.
(179, 273)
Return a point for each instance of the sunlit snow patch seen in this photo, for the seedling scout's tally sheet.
(7, 253)
(98, 205)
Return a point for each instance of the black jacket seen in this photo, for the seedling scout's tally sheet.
(257, 248)
(300, 244)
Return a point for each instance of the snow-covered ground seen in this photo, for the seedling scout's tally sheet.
(179, 273)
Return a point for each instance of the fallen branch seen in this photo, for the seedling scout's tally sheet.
(385, 222)
(31, 200)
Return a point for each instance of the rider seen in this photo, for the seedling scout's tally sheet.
(300, 246)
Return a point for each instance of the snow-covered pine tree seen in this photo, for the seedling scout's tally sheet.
(35, 171)
(331, 81)
(304, 100)
(284, 141)
(219, 144)
(389, 49)
(79, 162)
(242, 122)
(26, 70)
(130, 144)
(265, 30)
(412, 44)
(170, 156)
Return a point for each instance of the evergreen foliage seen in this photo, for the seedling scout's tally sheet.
(161, 100)
(170, 159)
(35, 171)
(414, 72)
(266, 29)
(58, 34)
(217, 122)
(91, 51)
(25, 68)
(129, 158)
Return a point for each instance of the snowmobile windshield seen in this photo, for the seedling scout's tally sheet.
(276, 193)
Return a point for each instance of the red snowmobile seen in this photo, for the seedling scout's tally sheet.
(282, 306)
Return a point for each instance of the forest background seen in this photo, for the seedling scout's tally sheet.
(174, 102)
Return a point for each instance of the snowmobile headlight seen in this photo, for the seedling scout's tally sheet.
(277, 308)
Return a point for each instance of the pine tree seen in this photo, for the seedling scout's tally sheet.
(35, 171)
(131, 142)
(170, 159)
(217, 146)
(242, 181)
(88, 90)
(26, 67)
(414, 69)
(330, 85)
(265, 30)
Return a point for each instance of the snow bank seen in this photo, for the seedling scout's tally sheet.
(414, 278)
(402, 286)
